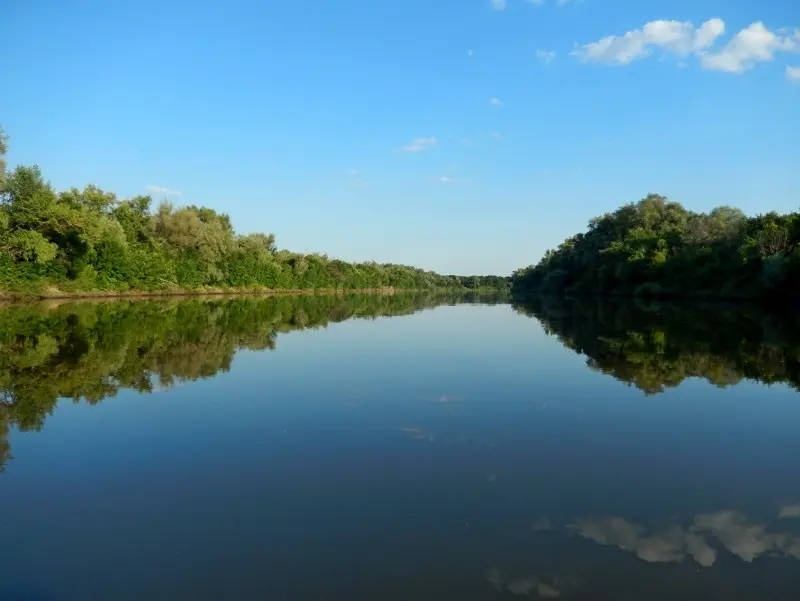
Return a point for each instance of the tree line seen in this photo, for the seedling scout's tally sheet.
(659, 248)
(91, 351)
(89, 240)
(655, 345)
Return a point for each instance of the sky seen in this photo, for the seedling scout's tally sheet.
(463, 136)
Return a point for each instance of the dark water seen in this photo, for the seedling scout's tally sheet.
(210, 450)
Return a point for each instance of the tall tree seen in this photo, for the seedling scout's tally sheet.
(3, 150)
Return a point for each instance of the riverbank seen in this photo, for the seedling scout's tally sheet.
(652, 293)
(53, 293)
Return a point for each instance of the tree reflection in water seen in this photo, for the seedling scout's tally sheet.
(89, 350)
(657, 346)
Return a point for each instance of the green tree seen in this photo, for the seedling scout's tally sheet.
(87, 239)
(3, 151)
(658, 248)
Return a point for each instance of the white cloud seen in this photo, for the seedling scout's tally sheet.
(496, 102)
(678, 37)
(545, 56)
(742, 52)
(751, 45)
(356, 181)
(708, 32)
(793, 73)
(535, 2)
(495, 134)
(449, 179)
(498, 4)
(681, 37)
(420, 144)
(562, 2)
(614, 49)
(163, 190)
(790, 511)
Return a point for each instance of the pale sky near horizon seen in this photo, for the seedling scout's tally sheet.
(463, 136)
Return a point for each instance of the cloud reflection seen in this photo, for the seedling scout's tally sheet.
(671, 545)
(730, 529)
(447, 398)
(741, 538)
(531, 584)
(420, 434)
(524, 585)
(442, 398)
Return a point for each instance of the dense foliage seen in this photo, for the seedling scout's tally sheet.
(90, 351)
(656, 346)
(87, 240)
(659, 248)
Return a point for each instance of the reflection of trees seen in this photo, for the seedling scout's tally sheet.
(657, 346)
(5, 448)
(92, 350)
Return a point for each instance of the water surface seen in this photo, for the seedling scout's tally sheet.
(398, 447)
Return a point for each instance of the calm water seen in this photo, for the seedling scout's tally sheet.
(239, 450)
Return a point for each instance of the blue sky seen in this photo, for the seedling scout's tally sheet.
(465, 136)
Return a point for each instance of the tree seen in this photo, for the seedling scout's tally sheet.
(88, 239)
(658, 247)
(3, 150)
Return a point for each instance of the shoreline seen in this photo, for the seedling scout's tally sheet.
(7, 298)
(696, 298)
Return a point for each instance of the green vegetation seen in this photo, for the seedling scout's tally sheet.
(656, 345)
(659, 248)
(88, 240)
(92, 350)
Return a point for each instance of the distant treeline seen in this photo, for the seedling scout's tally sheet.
(656, 345)
(659, 248)
(89, 240)
(91, 351)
